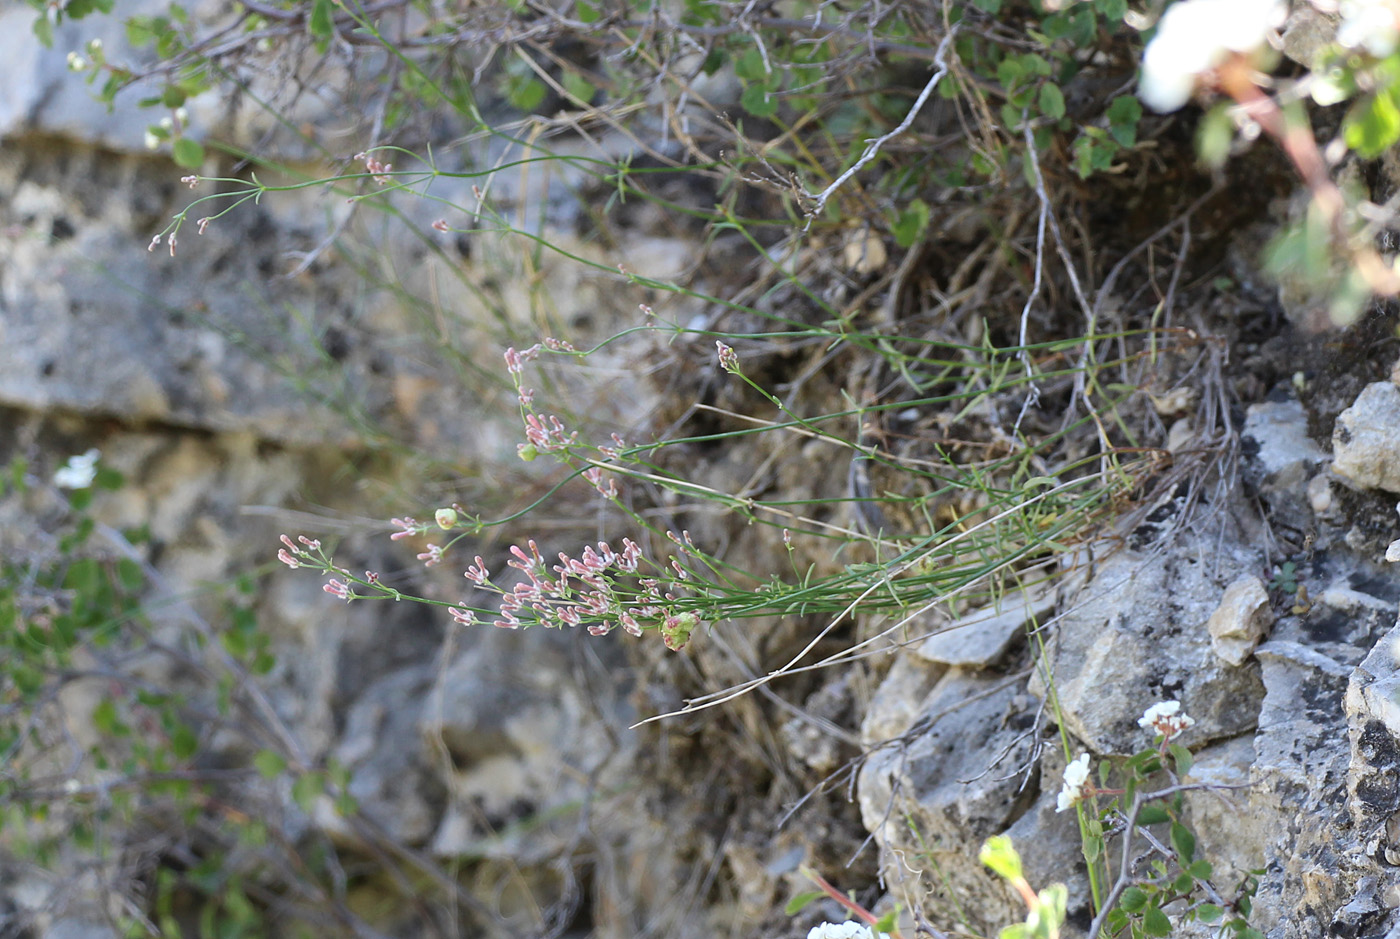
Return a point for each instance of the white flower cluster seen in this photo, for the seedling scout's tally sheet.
(850, 930)
(1076, 781)
(1195, 36)
(78, 472)
(1166, 719)
(1373, 25)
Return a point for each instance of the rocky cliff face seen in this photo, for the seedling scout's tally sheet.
(299, 368)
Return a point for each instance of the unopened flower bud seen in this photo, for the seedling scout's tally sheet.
(446, 518)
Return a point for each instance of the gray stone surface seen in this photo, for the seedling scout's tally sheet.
(1281, 455)
(1282, 449)
(1373, 724)
(983, 637)
(1366, 440)
(1137, 634)
(1241, 621)
(1228, 831)
(392, 773)
(955, 777)
(518, 739)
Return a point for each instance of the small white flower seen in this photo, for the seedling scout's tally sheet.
(182, 115)
(1076, 778)
(94, 46)
(850, 930)
(1166, 719)
(76, 63)
(78, 472)
(152, 141)
(1195, 36)
(1372, 25)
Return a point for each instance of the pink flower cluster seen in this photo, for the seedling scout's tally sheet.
(728, 358)
(406, 526)
(546, 439)
(296, 556)
(515, 361)
(380, 171)
(576, 590)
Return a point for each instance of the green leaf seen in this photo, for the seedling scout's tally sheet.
(1113, 10)
(757, 100)
(749, 67)
(1209, 912)
(269, 764)
(1133, 899)
(1155, 923)
(579, 87)
(1123, 116)
(1052, 101)
(184, 742)
(1055, 26)
(321, 24)
(105, 719)
(1184, 842)
(998, 854)
(586, 12)
(108, 478)
(988, 6)
(1183, 883)
(911, 223)
(1201, 869)
(1082, 25)
(886, 924)
(1011, 117)
(129, 575)
(173, 96)
(1373, 124)
(188, 153)
(1010, 71)
(1214, 136)
(306, 790)
(799, 902)
(1184, 760)
(526, 94)
(1153, 815)
(43, 31)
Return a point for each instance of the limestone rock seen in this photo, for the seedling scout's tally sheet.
(1137, 635)
(1044, 837)
(1301, 759)
(518, 737)
(1366, 440)
(982, 638)
(1228, 831)
(1373, 722)
(1280, 456)
(954, 778)
(899, 699)
(1238, 625)
(391, 778)
(1307, 32)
